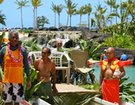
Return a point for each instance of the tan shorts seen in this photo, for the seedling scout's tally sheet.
(12, 92)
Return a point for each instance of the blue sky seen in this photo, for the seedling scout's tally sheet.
(9, 8)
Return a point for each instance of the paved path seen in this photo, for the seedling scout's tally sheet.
(65, 88)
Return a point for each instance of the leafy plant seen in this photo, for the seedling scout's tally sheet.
(74, 99)
(121, 41)
(94, 86)
(90, 46)
(1, 38)
(127, 92)
(29, 94)
(2, 18)
(31, 45)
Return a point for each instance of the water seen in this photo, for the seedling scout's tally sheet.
(130, 72)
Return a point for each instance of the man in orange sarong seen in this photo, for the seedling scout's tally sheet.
(111, 71)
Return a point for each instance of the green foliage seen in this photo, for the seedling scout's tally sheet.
(74, 99)
(1, 101)
(1, 38)
(122, 28)
(41, 21)
(127, 92)
(90, 46)
(29, 94)
(94, 86)
(121, 41)
(2, 19)
(31, 45)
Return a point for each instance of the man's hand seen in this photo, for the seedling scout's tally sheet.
(0, 80)
(28, 84)
(54, 89)
(100, 89)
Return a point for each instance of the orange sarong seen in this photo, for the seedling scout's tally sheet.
(110, 90)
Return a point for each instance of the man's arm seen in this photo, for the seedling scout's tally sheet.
(36, 63)
(25, 62)
(53, 74)
(54, 78)
(122, 72)
(2, 53)
(101, 77)
(26, 67)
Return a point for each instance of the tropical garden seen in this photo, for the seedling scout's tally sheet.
(119, 22)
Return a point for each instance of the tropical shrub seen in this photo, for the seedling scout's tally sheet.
(120, 41)
(74, 99)
(122, 28)
(29, 94)
(31, 45)
(127, 92)
(90, 46)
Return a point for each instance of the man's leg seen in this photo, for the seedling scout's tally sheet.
(47, 90)
(18, 92)
(8, 103)
(7, 93)
(16, 103)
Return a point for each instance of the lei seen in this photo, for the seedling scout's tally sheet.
(13, 58)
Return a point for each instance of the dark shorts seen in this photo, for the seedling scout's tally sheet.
(12, 92)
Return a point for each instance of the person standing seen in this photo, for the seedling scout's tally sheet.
(111, 72)
(14, 62)
(46, 70)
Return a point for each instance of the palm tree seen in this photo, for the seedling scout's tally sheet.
(1, 1)
(21, 4)
(41, 21)
(99, 14)
(35, 4)
(81, 11)
(59, 10)
(54, 9)
(130, 5)
(122, 11)
(111, 3)
(88, 11)
(116, 11)
(2, 16)
(71, 9)
(2, 19)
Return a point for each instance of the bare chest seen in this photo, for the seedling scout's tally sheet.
(44, 68)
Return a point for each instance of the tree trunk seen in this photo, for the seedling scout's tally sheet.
(88, 21)
(67, 20)
(80, 20)
(59, 20)
(116, 16)
(55, 19)
(36, 19)
(21, 18)
(70, 19)
(111, 12)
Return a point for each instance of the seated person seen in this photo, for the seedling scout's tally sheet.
(58, 46)
(65, 58)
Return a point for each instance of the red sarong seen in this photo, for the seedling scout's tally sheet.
(110, 90)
